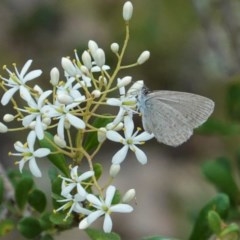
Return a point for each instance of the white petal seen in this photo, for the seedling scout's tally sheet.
(129, 126)
(109, 195)
(39, 128)
(93, 199)
(31, 75)
(114, 102)
(27, 120)
(94, 216)
(107, 224)
(75, 121)
(43, 96)
(114, 136)
(83, 224)
(124, 208)
(60, 127)
(85, 175)
(81, 190)
(21, 165)
(144, 136)
(25, 68)
(120, 155)
(31, 138)
(41, 152)
(8, 95)
(34, 168)
(66, 190)
(140, 155)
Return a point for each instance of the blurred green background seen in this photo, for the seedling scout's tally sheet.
(195, 47)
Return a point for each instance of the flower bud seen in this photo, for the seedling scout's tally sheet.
(129, 195)
(64, 98)
(100, 57)
(143, 57)
(101, 134)
(96, 93)
(3, 128)
(92, 45)
(127, 11)
(124, 81)
(54, 75)
(115, 47)
(38, 90)
(87, 60)
(84, 70)
(8, 118)
(59, 141)
(114, 170)
(68, 66)
(47, 121)
(32, 125)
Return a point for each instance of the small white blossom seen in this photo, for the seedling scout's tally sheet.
(115, 47)
(130, 141)
(129, 195)
(101, 134)
(75, 181)
(3, 128)
(114, 170)
(87, 60)
(17, 81)
(65, 117)
(59, 141)
(96, 93)
(124, 81)
(28, 154)
(104, 207)
(8, 117)
(143, 57)
(127, 11)
(54, 76)
(73, 203)
(36, 112)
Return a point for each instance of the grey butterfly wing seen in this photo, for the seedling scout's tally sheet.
(172, 116)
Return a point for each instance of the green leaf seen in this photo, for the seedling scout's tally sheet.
(37, 200)
(47, 237)
(15, 176)
(45, 221)
(57, 160)
(91, 141)
(219, 173)
(29, 227)
(215, 126)
(1, 189)
(214, 222)
(98, 169)
(59, 218)
(233, 100)
(6, 226)
(56, 191)
(201, 229)
(158, 238)
(100, 235)
(231, 232)
(22, 189)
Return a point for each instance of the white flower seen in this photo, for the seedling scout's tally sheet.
(17, 81)
(75, 181)
(36, 112)
(126, 103)
(65, 116)
(54, 75)
(3, 128)
(27, 152)
(73, 203)
(130, 141)
(104, 207)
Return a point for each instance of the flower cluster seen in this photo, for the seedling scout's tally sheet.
(74, 103)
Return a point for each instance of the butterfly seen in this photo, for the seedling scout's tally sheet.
(171, 116)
